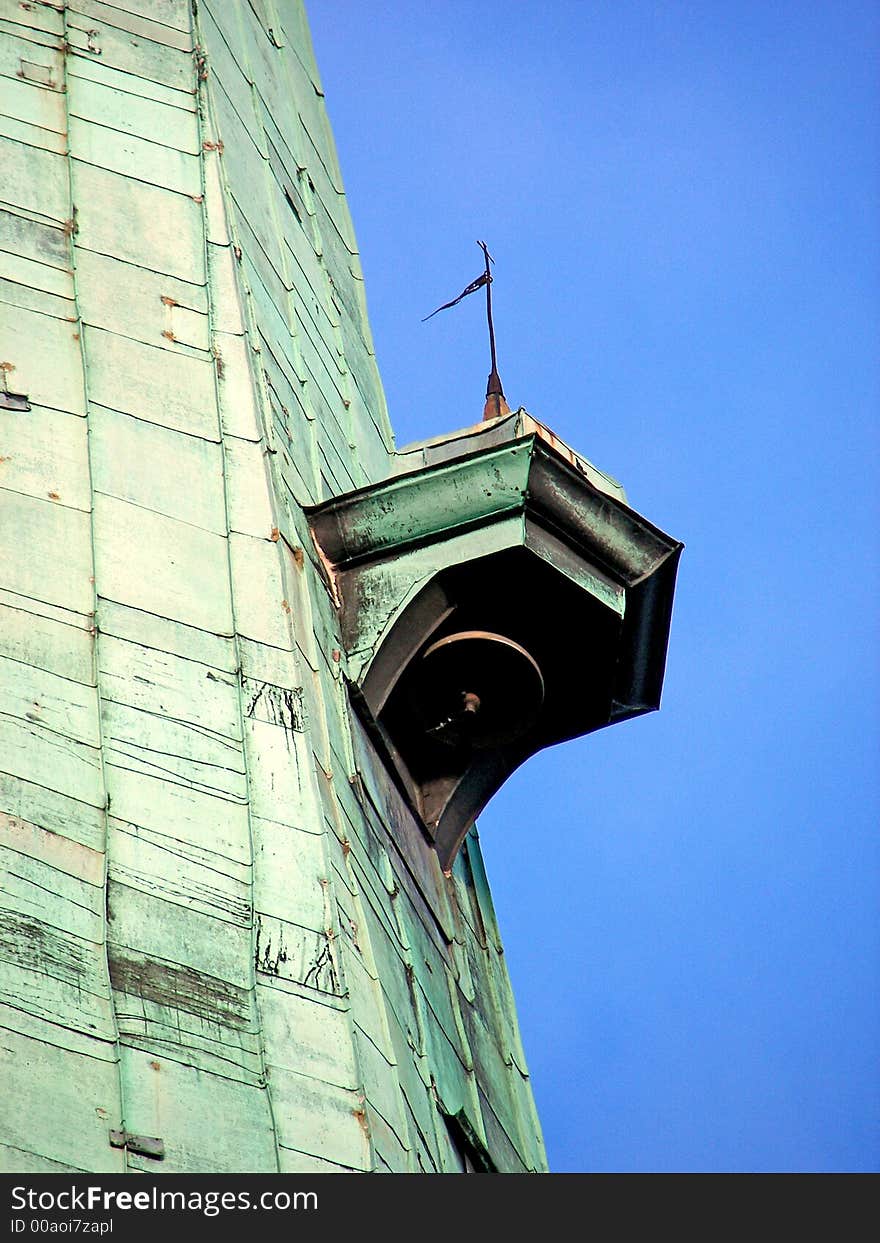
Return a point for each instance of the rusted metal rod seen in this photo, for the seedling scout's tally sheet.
(489, 260)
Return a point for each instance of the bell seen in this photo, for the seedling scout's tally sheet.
(477, 689)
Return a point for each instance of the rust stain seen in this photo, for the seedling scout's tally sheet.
(7, 367)
(207, 145)
(274, 535)
(166, 301)
(53, 496)
(155, 1065)
(299, 558)
(285, 606)
(361, 1114)
(169, 336)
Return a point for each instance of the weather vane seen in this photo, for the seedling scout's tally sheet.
(495, 400)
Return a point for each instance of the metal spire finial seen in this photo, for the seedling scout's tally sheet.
(496, 403)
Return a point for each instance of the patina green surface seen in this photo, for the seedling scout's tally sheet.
(220, 927)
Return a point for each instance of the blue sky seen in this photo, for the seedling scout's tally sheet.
(682, 201)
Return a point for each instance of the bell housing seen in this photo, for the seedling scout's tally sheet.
(496, 595)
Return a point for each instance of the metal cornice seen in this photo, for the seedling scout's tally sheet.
(524, 476)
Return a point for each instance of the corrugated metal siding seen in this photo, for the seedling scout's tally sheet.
(220, 926)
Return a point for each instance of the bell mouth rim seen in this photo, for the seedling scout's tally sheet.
(458, 635)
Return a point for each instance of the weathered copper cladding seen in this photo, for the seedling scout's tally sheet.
(500, 529)
(226, 944)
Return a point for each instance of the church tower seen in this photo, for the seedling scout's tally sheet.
(259, 670)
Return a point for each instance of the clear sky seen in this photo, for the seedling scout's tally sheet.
(682, 201)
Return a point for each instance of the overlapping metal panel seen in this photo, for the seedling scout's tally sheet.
(220, 927)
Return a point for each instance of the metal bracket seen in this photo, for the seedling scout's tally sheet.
(143, 1145)
(14, 401)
